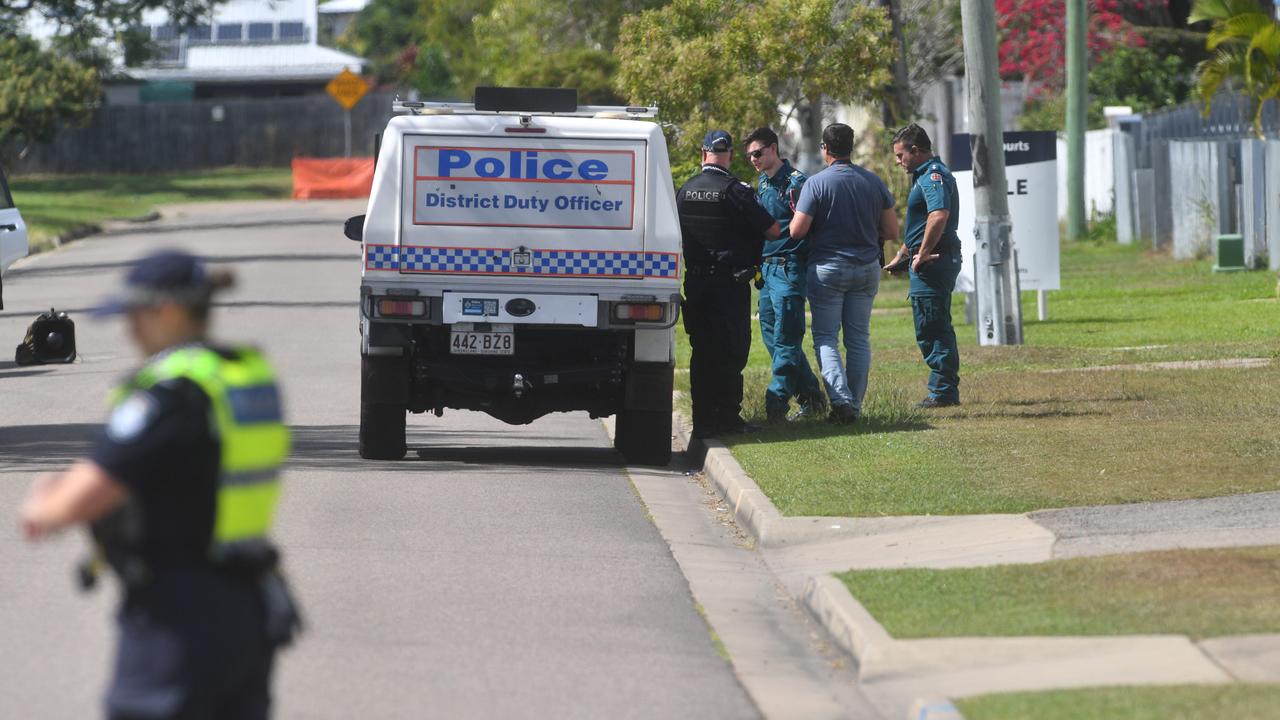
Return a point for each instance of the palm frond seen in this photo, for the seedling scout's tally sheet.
(1212, 10)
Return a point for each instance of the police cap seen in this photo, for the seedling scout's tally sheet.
(163, 276)
(717, 141)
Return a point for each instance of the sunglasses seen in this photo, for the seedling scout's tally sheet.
(755, 154)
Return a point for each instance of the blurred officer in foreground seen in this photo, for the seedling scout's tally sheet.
(782, 272)
(179, 494)
(723, 229)
(932, 247)
(846, 212)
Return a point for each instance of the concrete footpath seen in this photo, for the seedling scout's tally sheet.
(915, 678)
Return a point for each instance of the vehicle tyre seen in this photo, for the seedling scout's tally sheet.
(382, 424)
(644, 436)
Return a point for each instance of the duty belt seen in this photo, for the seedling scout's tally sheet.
(781, 259)
(709, 270)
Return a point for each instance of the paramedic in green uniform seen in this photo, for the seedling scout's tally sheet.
(782, 285)
(931, 243)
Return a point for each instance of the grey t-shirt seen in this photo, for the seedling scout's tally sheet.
(845, 202)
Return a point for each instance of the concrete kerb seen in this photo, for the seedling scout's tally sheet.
(958, 667)
(758, 516)
(752, 509)
(921, 674)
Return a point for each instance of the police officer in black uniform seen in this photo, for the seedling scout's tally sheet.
(179, 492)
(724, 230)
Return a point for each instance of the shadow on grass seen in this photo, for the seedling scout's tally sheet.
(1028, 402)
(1093, 321)
(819, 429)
(1029, 413)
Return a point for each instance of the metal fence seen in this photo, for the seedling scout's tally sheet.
(1181, 177)
(173, 137)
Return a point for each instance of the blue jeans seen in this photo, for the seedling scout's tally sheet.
(782, 329)
(840, 296)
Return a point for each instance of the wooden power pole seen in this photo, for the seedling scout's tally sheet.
(995, 272)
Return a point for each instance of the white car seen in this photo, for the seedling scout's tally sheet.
(13, 233)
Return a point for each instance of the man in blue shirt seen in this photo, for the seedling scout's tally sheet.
(846, 213)
(933, 248)
(783, 265)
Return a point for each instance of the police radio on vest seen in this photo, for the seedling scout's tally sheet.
(520, 165)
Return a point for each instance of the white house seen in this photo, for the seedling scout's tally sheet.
(248, 48)
(337, 15)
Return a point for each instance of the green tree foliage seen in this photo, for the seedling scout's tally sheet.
(557, 43)
(1133, 76)
(94, 31)
(1139, 77)
(1245, 42)
(115, 15)
(731, 64)
(445, 48)
(41, 88)
(427, 45)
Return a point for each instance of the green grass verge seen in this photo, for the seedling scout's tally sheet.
(1199, 593)
(1026, 438)
(1179, 702)
(52, 205)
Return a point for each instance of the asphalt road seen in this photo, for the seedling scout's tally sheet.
(505, 572)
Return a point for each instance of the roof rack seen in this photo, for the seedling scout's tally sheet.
(525, 102)
(405, 107)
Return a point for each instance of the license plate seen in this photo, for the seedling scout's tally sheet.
(482, 343)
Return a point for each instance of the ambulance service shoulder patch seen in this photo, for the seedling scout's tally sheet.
(936, 177)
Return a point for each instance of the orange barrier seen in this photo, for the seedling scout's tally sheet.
(315, 178)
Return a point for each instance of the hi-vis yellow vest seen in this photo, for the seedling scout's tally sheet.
(245, 412)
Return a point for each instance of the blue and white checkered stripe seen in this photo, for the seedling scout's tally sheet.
(571, 263)
(380, 257)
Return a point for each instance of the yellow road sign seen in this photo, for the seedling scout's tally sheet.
(347, 88)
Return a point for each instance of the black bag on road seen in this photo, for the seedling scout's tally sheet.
(51, 338)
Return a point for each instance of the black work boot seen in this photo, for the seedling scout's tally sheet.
(843, 414)
(931, 403)
(775, 414)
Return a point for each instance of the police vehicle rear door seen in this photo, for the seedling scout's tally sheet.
(537, 206)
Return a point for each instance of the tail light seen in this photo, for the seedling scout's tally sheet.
(649, 312)
(399, 307)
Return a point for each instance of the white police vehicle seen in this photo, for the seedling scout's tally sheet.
(521, 257)
(13, 233)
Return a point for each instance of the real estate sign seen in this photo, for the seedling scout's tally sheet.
(1031, 168)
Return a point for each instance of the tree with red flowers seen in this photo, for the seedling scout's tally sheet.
(1033, 38)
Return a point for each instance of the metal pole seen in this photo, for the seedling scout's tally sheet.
(995, 271)
(346, 131)
(1042, 305)
(1077, 115)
